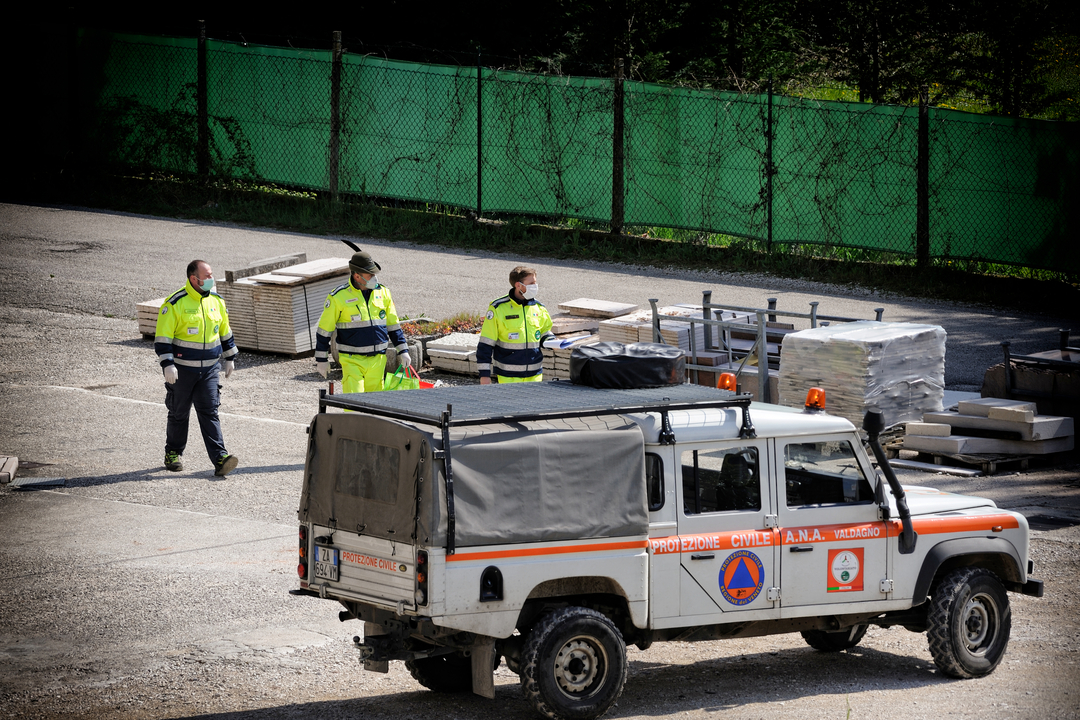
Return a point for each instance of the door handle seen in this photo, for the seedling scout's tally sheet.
(702, 556)
(802, 548)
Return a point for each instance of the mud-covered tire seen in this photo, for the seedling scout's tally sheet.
(835, 641)
(969, 623)
(450, 673)
(573, 666)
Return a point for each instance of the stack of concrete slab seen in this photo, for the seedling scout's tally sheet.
(147, 314)
(8, 467)
(557, 360)
(278, 311)
(587, 307)
(991, 425)
(898, 368)
(637, 327)
(454, 353)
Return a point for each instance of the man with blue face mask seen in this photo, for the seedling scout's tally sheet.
(363, 315)
(193, 340)
(515, 328)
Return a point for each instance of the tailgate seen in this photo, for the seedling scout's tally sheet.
(359, 567)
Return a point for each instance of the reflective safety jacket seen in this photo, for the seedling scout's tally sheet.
(193, 330)
(365, 321)
(511, 338)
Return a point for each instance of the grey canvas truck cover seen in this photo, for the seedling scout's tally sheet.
(384, 480)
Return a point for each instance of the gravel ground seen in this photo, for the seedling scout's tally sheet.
(131, 592)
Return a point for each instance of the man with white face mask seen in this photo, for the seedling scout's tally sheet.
(193, 339)
(515, 328)
(363, 315)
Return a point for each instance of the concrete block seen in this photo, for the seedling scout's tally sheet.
(961, 444)
(455, 341)
(8, 466)
(1044, 427)
(981, 407)
(1012, 414)
(931, 429)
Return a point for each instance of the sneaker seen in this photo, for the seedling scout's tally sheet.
(225, 465)
(174, 461)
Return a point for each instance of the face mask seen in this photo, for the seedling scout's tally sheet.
(531, 291)
(207, 284)
(372, 283)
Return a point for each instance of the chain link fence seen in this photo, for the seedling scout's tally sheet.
(920, 181)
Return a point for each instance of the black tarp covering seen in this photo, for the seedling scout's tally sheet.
(637, 365)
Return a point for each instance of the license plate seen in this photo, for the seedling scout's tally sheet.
(326, 563)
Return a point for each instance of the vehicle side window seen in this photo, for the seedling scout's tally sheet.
(824, 473)
(721, 480)
(654, 481)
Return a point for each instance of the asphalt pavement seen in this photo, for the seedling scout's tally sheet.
(130, 591)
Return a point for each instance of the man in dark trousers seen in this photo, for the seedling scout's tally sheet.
(193, 340)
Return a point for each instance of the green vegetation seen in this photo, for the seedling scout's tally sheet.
(995, 285)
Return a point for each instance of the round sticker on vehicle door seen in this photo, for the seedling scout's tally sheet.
(741, 577)
(845, 570)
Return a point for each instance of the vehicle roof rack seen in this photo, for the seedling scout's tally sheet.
(521, 402)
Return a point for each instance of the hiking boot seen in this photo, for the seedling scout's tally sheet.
(174, 461)
(225, 465)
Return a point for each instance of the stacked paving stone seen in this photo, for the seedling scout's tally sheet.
(454, 353)
(990, 425)
(899, 368)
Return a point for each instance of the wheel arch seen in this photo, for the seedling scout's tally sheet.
(600, 593)
(997, 555)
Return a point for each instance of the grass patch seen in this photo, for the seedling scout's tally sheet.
(307, 212)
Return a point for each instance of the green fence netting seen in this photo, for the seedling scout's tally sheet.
(1004, 189)
(783, 169)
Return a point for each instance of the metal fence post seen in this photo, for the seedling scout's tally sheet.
(768, 171)
(706, 313)
(335, 116)
(479, 138)
(202, 120)
(922, 183)
(618, 190)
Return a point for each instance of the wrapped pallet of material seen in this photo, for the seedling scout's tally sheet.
(898, 368)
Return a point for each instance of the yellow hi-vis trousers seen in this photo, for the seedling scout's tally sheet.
(502, 379)
(362, 373)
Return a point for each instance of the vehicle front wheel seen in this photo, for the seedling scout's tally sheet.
(969, 623)
(574, 664)
(834, 641)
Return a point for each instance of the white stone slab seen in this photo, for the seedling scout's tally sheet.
(1012, 414)
(931, 429)
(1043, 427)
(982, 406)
(588, 307)
(455, 341)
(962, 444)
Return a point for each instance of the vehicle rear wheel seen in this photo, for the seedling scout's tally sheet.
(574, 664)
(450, 673)
(969, 623)
(835, 641)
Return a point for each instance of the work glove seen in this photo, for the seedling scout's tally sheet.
(229, 367)
(404, 360)
(323, 367)
(170, 374)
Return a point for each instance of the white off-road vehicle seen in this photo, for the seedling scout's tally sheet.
(553, 524)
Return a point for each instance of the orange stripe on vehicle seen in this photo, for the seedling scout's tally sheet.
(533, 552)
(975, 523)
